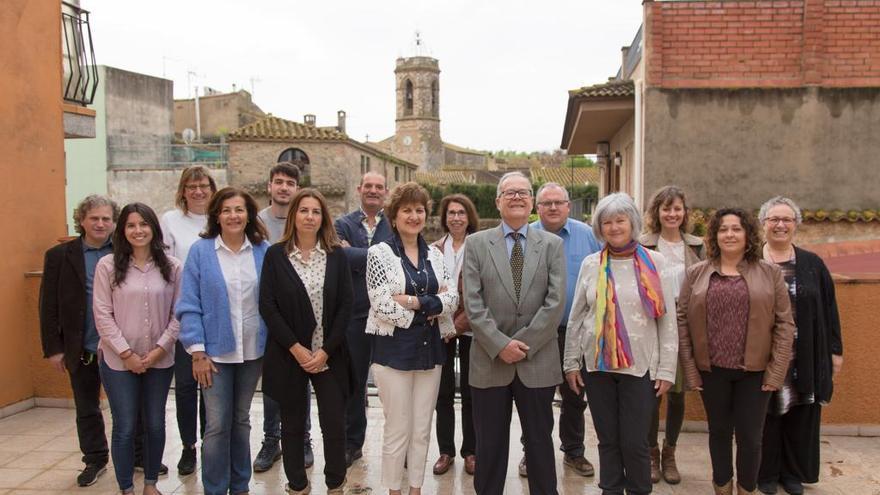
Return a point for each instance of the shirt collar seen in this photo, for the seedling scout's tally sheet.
(218, 244)
(298, 252)
(507, 229)
(107, 245)
(379, 216)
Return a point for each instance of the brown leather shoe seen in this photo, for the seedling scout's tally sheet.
(655, 464)
(667, 464)
(580, 464)
(470, 464)
(443, 464)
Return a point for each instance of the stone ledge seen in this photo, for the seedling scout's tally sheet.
(833, 430)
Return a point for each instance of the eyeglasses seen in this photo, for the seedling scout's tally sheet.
(196, 187)
(514, 193)
(782, 220)
(456, 214)
(551, 204)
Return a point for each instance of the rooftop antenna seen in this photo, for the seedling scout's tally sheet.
(254, 80)
(419, 45)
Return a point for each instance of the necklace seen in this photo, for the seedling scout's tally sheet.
(788, 255)
(421, 271)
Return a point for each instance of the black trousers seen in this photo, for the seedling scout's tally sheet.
(674, 418)
(492, 412)
(734, 403)
(86, 385)
(621, 406)
(571, 415)
(331, 415)
(790, 446)
(446, 400)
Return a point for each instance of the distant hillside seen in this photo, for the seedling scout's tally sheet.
(532, 159)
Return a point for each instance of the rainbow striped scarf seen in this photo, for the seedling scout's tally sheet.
(612, 341)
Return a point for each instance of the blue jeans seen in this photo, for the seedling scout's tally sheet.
(226, 449)
(360, 349)
(272, 417)
(130, 394)
(186, 398)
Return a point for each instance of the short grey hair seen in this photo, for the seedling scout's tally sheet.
(511, 175)
(617, 204)
(87, 204)
(776, 201)
(551, 185)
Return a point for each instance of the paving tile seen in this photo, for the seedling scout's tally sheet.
(53, 479)
(36, 460)
(13, 478)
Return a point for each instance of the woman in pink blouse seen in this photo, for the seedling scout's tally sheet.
(134, 294)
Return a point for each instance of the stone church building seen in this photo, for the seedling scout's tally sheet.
(333, 162)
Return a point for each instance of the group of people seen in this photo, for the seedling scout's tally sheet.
(219, 295)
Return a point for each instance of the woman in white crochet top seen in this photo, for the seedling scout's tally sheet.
(412, 299)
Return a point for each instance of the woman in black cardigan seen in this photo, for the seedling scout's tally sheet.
(305, 300)
(790, 448)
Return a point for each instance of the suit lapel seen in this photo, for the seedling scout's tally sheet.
(77, 259)
(498, 250)
(532, 255)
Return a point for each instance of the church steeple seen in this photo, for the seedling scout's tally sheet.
(417, 136)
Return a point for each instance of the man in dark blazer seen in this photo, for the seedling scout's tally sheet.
(358, 231)
(67, 326)
(514, 296)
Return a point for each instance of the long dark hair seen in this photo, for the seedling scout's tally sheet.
(122, 249)
(750, 226)
(326, 232)
(254, 230)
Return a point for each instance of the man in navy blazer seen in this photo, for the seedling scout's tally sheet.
(359, 230)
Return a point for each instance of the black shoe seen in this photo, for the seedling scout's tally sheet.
(270, 452)
(90, 474)
(139, 466)
(352, 455)
(187, 463)
(767, 487)
(792, 486)
(308, 454)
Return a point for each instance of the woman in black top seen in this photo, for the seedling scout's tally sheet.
(790, 447)
(305, 300)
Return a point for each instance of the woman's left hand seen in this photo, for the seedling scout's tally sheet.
(317, 363)
(836, 364)
(153, 357)
(662, 386)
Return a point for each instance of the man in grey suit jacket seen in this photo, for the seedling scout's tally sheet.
(514, 291)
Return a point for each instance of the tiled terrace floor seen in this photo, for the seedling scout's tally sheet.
(39, 454)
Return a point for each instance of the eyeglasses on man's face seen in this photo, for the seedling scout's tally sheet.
(516, 193)
(778, 220)
(196, 187)
(553, 204)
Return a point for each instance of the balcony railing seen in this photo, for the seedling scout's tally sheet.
(166, 156)
(80, 76)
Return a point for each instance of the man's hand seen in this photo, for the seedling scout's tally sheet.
(662, 386)
(836, 365)
(575, 381)
(57, 361)
(344, 243)
(768, 388)
(514, 351)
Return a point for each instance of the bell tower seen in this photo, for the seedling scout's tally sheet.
(417, 134)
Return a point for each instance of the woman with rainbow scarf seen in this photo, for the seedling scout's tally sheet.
(622, 327)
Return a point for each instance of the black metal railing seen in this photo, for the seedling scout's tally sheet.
(80, 78)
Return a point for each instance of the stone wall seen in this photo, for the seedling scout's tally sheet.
(139, 120)
(460, 159)
(219, 114)
(741, 147)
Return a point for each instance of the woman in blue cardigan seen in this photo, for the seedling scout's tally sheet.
(220, 326)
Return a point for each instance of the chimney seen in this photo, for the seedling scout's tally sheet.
(309, 119)
(234, 88)
(624, 51)
(340, 119)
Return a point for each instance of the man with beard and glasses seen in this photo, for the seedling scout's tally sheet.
(358, 231)
(283, 184)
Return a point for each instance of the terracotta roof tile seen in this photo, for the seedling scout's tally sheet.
(272, 127)
(442, 177)
(612, 89)
(563, 175)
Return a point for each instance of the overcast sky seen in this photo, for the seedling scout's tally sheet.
(506, 65)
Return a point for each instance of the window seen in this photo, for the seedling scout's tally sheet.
(408, 98)
(365, 164)
(397, 174)
(435, 99)
(294, 155)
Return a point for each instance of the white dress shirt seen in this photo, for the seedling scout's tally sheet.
(240, 274)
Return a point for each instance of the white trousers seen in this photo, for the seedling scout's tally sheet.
(408, 402)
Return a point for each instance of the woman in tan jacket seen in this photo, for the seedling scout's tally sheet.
(666, 225)
(735, 336)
